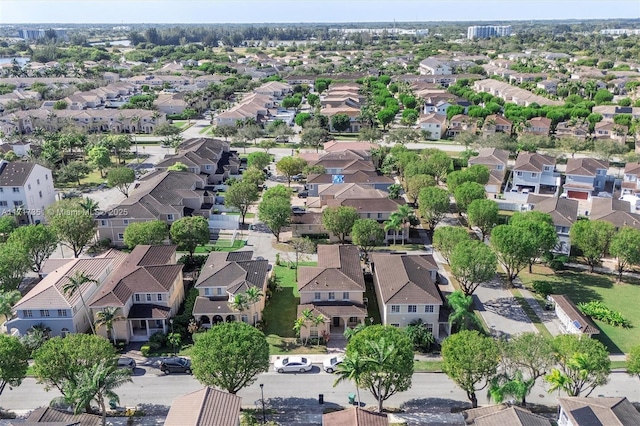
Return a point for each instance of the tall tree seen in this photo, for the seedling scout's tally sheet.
(416, 183)
(433, 205)
(258, 159)
(351, 368)
(367, 234)
(253, 295)
(121, 178)
(470, 359)
(151, 233)
(275, 212)
(625, 246)
(100, 158)
(514, 247)
(446, 238)
(14, 264)
(8, 224)
(105, 318)
(14, 361)
(339, 220)
(388, 356)
(472, 263)
(583, 364)
(633, 361)
(230, 356)
(291, 166)
(341, 122)
(241, 195)
(466, 193)
(483, 214)
(462, 316)
(76, 284)
(592, 238)
(541, 230)
(190, 232)
(74, 226)
(301, 246)
(39, 242)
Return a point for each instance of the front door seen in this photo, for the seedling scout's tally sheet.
(336, 321)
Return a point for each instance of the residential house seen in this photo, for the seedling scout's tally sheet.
(510, 93)
(461, 123)
(50, 416)
(563, 212)
(343, 98)
(496, 160)
(339, 162)
(363, 178)
(258, 108)
(308, 224)
(223, 277)
(540, 126)
(585, 177)
(535, 172)
(162, 195)
(26, 190)
(432, 66)
(47, 303)
(434, 125)
(362, 148)
(616, 212)
(147, 289)
(171, 104)
(355, 416)
(609, 112)
(209, 158)
(274, 89)
(496, 124)
(205, 407)
(334, 289)
(549, 86)
(579, 130)
(609, 411)
(502, 415)
(630, 182)
(406, 290)
(611, 130)
(329, 192)
(572, 320)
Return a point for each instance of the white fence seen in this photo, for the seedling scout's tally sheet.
(222, 221)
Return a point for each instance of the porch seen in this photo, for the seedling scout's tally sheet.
(146, 319)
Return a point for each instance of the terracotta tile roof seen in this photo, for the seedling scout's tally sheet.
(212, 306)
(568, 307)
(205, 407)
(632, 168)
(148, 311)
(335, 309)
(616, 411)
(585, 166)
(352, 176)
(353, 146)
(355, 416)
(338, 268)
(512, 416)
(563, 211)
(373, 205)
(533, 162)
(50, 416)
(405, 278)
(227, 269)
(490, 156)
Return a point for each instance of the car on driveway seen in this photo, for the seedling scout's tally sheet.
(298, 210)
(175, 365)
(295, 364)
(128, 363)
(303, 194)
(331, 364)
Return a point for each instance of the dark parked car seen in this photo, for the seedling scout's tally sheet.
(175, 365)
(303, 194)
(298, 210)
(126, 362)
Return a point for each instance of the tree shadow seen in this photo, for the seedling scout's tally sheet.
(435, 405)
(507, 307)
(153, 409)
(308, 411)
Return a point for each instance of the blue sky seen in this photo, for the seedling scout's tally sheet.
(263, 11)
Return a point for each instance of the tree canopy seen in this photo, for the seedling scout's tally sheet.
(190, 232)
(275, 211)
(472, 263)
(367, 234)
(514, 247)
(153, 232)
(433, 205)
(241, 195)
(38, 241)
(121, 178)
(592, 237)
(14, 361)
(447, 238)
(339, 220)
(74, 226)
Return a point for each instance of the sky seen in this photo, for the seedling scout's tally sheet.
(298, 11)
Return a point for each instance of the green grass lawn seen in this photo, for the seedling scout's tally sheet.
(372, 302)
(427, 366)
(281, 310)
(179, 123)
(205, 130)
(400, 247)
(221, 246)
(581, 286)
(290, 346)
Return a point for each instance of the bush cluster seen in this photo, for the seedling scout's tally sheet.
(598, 310)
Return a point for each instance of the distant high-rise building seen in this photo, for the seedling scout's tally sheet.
(486, 31)
(34, 34)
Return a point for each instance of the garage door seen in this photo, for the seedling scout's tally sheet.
(578, 195)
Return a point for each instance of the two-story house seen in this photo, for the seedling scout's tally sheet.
(585, 177)
(406, 290)
(207, 157)
(461, 123)
(223, 277)
(496, 124)
(619, 213)
(361, 177)
(496, 160)
(431, 66)
(563, 212)
(204, 407)
(334, 289)
(609, 411)
(163, 195)
(26, 190)
(535, 173)
(47, 303)
(630, 182)
(611, 130)
(540, 126)
(434, 124)
(147, 289)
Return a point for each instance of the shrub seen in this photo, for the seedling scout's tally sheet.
(421, 338)
(157, 340)
(599, 311)
(558, 263)
(145, 350)
(543, 288)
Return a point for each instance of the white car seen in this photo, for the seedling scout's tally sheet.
(331, 364)
(295, 364)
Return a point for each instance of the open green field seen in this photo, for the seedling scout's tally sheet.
(582, 286)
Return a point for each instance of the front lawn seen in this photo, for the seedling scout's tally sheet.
(582, 286)
(282, 308)
(220, 246)
(290, 346)
(427, 366)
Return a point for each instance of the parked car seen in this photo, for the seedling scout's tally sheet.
(297, 177)
(331, 364)
(294, 364)
(303, 194)
(175, 365)
(126, 362)
(297, 210)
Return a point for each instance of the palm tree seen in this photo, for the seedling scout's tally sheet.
(503, 386)
(106, 317)
(376, 362)
(307, 316)
(558, 381)
(90, 206)
(253, 296)
(96, 383)
(75, 284)
(404, 214)
(461, 316)
(393, 224)
(240, 302)
(351, 368)
(317, 320)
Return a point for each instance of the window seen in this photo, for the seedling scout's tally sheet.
(17, 203)
(429, 328)
(1, 190)
(40, 194)
(428, 308)
(316, 295)
(29, 187)
(136, 297)
(519, 174)
(148, 297)
(379, 215)
(120, 237)
(547, 168)
(62, 312)
(345, 295)
(28, 313)
(3, 204)
(332, 295)
(207, 167)
(395, 325)
(219, 289)
(412, 309)
(16, 189)
(313, 332)
(169, 217)
(44, 313)
(46, 177)
(244, 318)
(103, 223)
(353, 320)
(534, 175)
(208, 292)
(395, 309)
(125, 221)
(159, 297)
(38, 181)
(64, 332)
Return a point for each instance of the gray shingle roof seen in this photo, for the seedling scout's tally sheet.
(616, 411)
(15, 173)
